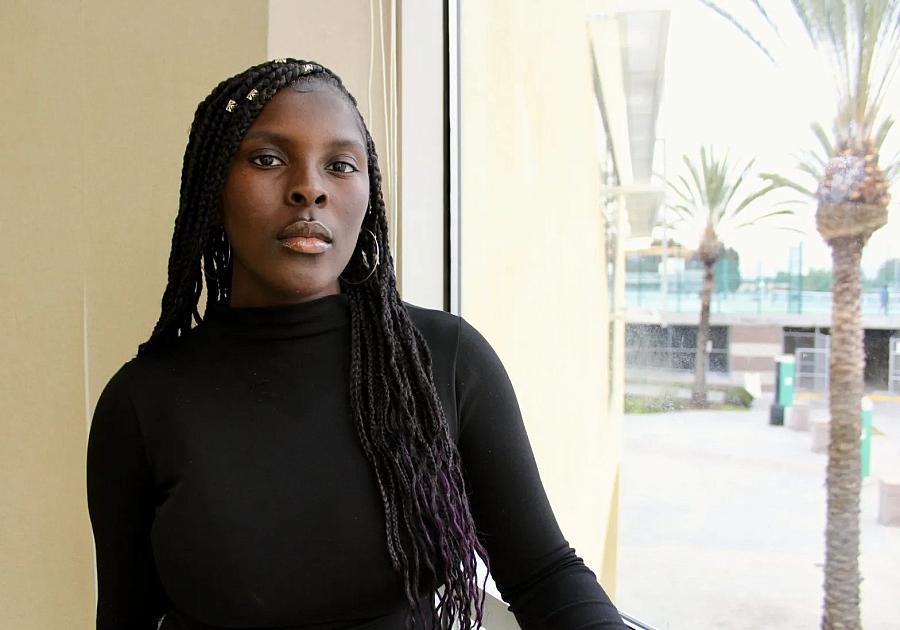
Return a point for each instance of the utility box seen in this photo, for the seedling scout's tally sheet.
(784, 389)
(784, 380)
(865, 438)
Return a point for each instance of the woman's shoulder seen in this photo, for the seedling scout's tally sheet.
(452, 333)
(441, 332)
(434, 324)
(154, 363)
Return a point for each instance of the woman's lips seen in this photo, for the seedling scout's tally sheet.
(306, 244)
(306, 237)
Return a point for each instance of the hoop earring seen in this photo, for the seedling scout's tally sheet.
(377, 257)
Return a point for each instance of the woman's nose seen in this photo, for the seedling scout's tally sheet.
(307, 190)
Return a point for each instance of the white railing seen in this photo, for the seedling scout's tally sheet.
(811, 369)
(894, 365)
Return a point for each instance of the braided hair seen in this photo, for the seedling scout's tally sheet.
(430, 533)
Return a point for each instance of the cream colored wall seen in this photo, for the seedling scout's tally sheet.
(44, 537)
(534, 274)
(97, 106)
(155, 61)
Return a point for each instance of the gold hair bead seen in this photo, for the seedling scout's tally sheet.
(251, 94)
(307, 68)
(230, 106)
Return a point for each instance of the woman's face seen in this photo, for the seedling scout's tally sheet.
(294, 198)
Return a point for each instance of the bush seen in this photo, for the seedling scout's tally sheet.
(668, 400)
(738, 396)
(635, 404)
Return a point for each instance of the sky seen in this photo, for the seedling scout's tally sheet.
(720, 90)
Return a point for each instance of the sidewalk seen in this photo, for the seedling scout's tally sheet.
(722, 523)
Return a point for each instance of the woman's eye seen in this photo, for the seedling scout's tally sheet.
(343, 167)
(266, 160)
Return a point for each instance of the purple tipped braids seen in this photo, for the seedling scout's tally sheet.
(430, 533)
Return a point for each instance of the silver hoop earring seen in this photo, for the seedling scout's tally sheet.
(365, 259)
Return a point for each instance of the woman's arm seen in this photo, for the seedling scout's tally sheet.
(121, 504)
(537, 572)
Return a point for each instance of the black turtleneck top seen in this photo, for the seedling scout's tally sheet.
(227, 486)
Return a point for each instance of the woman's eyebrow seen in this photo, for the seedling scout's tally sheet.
(269, 136)
(347, 144)
(277, 138)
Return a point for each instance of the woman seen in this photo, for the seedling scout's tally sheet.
(314, 453)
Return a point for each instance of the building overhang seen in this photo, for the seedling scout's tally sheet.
(629, 48)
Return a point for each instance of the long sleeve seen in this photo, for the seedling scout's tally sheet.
(537, 572)
(121, 506)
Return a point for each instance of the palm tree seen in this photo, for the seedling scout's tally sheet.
(706, 200)
(860, 40)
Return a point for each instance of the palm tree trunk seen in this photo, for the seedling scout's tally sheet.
(844, 479)
(698, 395)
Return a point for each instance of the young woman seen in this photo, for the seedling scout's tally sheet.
(314, 452)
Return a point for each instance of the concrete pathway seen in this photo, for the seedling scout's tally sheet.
(722, 524)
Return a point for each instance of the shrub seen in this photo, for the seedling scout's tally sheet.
(738, 396)
(635, 404)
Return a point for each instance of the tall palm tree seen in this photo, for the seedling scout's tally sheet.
(860, 41)
(706, 200)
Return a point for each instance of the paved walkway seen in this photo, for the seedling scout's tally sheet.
(722, 524)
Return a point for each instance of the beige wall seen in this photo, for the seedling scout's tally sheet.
(533, 278)
(44, 538)
(98, 104)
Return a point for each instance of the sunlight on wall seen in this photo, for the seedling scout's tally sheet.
(534, 276)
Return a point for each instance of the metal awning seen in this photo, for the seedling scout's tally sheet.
(643, 36)
(629, 59)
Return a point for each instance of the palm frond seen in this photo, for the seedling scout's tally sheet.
(698, 182)
(817, 173)
(714, 187)
(743, 29)
(867, 40)
(822, 137)
(805, 15)
(813, 159)
(783, 182)
(788, 202)
(687, 195)
(714, 181)
(825, 26)
(883, 130)
(764, 13)
(738, 182)
(767, 215)
(751, 198)
(784, 228)
(682, 212)
(888, 38)
(859, 41)
(892, 170)
(731, 190)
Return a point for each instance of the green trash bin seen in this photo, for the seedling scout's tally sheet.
(784, 388)
(865, 438)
